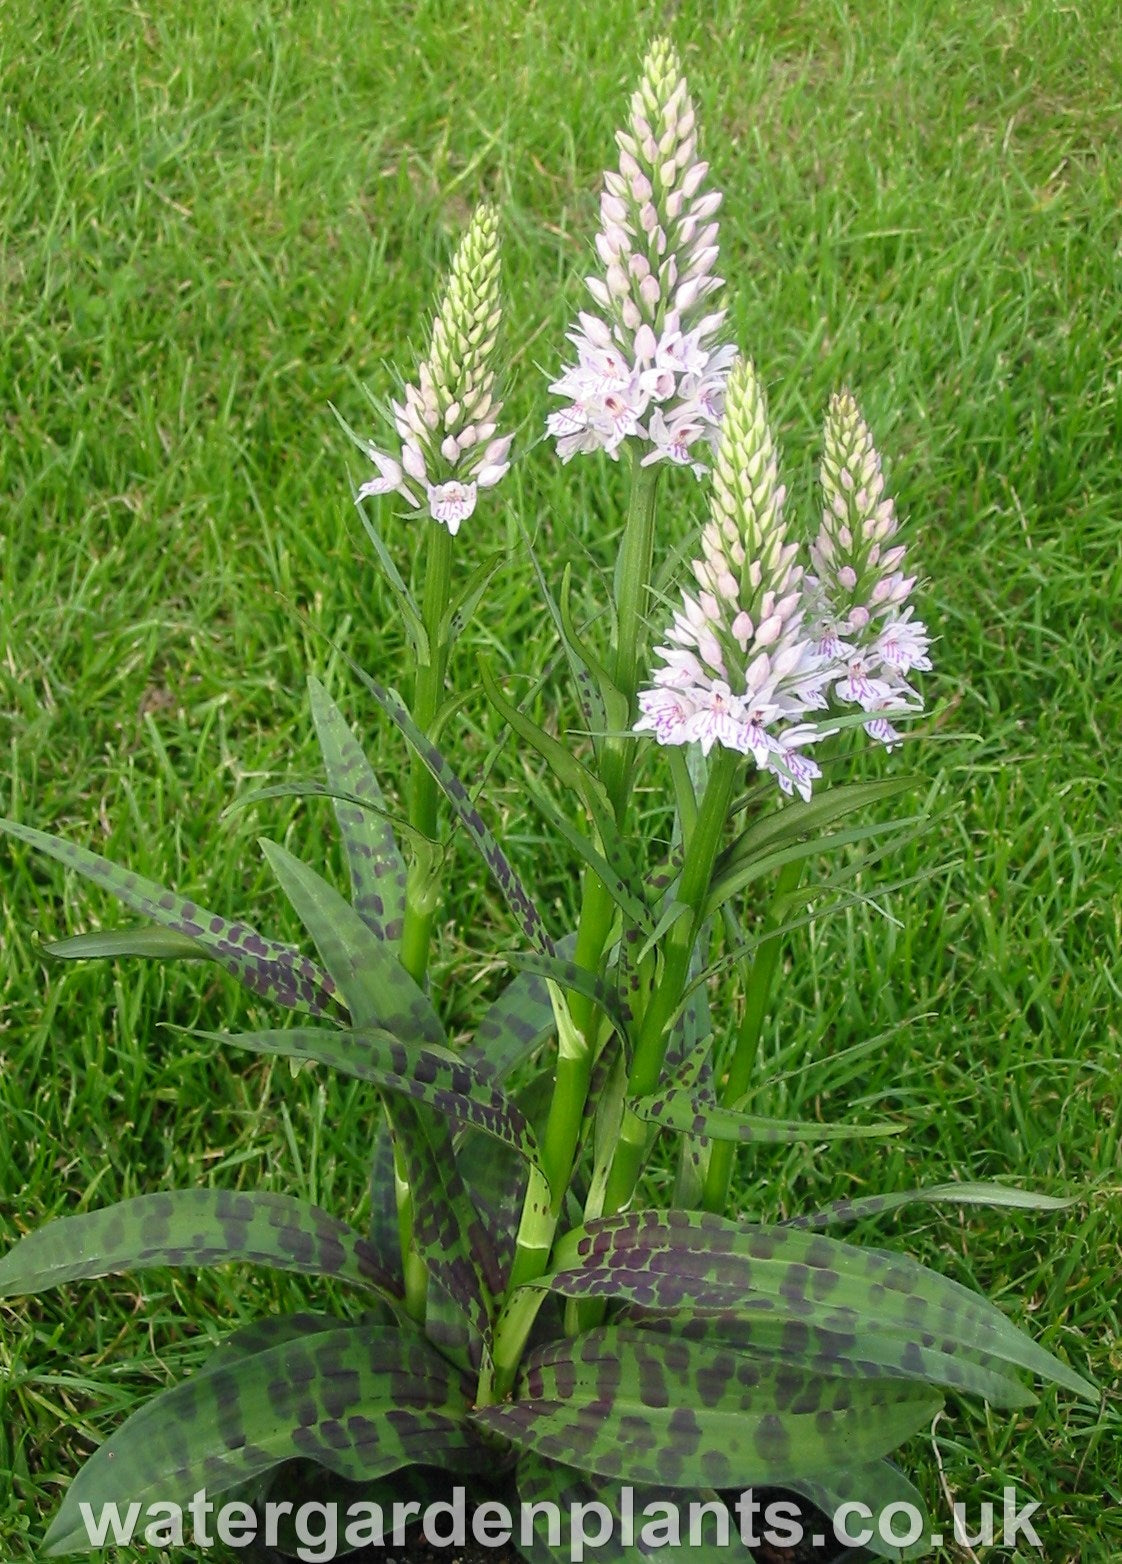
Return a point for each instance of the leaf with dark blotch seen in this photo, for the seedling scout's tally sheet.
(520, 903)
(359, 1402)
(378, 990)
(376, 867)
(841, 1344)
(267, 967)
(1000, 1195)
(680, 1110)
(433, 1076)
(679, 1260)
(192, 1228)
(384, 1235)
(517, 1023)
(546, 1482)
(681, 1413)
(567, 975)
(449, 1234)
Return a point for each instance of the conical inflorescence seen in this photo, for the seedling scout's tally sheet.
(448, 421)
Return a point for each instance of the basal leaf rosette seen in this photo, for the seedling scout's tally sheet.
(740, 669)
(650, 366)
(448, 420)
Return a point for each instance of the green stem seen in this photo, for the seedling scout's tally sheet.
(654, 1030)
(579, 1020)
(757, 1001)
(421, 885)
(420, 888)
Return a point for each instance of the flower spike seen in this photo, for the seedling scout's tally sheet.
(856, 600)
(447, 422)
(649, 364)
(740, 670)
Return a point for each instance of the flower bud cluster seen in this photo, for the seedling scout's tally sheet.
(448, 422)
(649, 363)
(740, 669)
(857, 599)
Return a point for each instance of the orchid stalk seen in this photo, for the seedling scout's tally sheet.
(450, 451)
(649, 379)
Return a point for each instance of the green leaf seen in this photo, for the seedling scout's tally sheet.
(360, 1401)
(680, 1110)
(797, 818)
(730, 880)
(434, 1076)
(375, 865)
(449, 1234)
(140, 940)
(623, 1404)
(265, 966)
(567, 975)
(546, 1482)
(518, 899)
(192, 1228)
(981, 1194)
(687, 1261)
(877, 1487)
(377, 989)
(568, 770)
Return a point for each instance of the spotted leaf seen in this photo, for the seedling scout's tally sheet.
(434, 1076)
(361, 1401)
(376, 867)
(192, 1228)
(377, 989)
(680, 1413)
(687, 1261)
(265, 966)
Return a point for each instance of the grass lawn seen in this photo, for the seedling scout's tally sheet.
(215, 219)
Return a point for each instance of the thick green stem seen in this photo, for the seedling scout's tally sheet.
(421, 889)
(654, 1030)
(421, 886)
(757, 1002)
(579, 1020)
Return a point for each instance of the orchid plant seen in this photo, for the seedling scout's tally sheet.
(523, 1313)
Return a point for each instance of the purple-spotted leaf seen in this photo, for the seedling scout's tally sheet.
(265, 966)
(359, 1401)
(842, 1345)
(680, 1110)
(434, 1076)
(568, 975)
(517, 1024)
(449, 1234)
(377, 989)
(625, 1404)
(384, 1233)
(191, 1228)
(376, 867)
(679, 1261)
(517, 898)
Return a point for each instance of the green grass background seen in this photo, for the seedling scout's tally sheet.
(217, 218)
